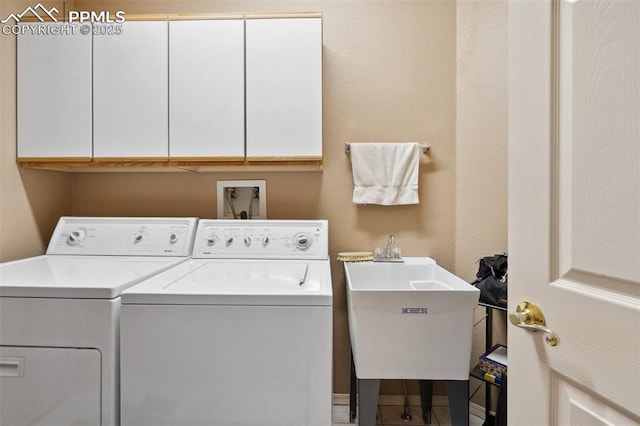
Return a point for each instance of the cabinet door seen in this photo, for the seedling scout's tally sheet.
(54, 94)
(284, 87)
(206, 88)
(130, 89)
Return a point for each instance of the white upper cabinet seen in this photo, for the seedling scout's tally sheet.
(284, 87)
(242, 90)
(54, 95)
(206, 89)
(130, 92)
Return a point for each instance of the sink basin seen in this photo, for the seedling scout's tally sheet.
(410, 320)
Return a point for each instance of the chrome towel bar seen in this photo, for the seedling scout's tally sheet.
(425, 147)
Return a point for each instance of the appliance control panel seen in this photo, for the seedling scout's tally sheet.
(262, 239)
(123, 236)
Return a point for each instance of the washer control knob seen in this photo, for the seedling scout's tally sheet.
(266, 241)
(211, 240)
(247, 241)
(173, 238)
(302, 241)
(229, 241)
(137, 238)
(75, 237)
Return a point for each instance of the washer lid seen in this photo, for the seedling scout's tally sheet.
(238, 282)
(83, 277)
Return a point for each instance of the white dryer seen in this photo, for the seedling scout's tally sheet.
(59, 316)
(241, 334)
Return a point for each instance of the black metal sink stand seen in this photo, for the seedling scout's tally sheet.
(368, 390)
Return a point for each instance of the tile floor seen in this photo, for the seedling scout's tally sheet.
(389, 415)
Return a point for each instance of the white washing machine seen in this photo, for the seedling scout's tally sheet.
(241, 334)
(59, 316)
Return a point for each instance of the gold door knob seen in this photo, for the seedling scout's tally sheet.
(528, 315)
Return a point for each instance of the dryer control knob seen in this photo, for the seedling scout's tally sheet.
(212, 240)
(247, 241)
(173, 238)
(266, 241)
(229, 241)
(137, 238)
(302, 241)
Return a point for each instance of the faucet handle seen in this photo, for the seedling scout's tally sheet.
(396, 253)
(377, 252)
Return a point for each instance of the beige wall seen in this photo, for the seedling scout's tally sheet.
(389, 75)
(481, 146)
(31, 201)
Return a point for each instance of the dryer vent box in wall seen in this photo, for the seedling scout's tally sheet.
(242, 199)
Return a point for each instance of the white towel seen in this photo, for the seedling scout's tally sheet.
(385, 173)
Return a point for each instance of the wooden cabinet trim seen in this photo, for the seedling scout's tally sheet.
(150, 164)
(205, 17)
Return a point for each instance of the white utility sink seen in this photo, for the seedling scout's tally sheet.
(410, 320)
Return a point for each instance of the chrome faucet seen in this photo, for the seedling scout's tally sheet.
(391, 253)
(391, 242)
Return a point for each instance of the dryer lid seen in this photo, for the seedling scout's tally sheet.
(83, 277)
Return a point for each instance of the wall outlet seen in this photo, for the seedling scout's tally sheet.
(247, 198)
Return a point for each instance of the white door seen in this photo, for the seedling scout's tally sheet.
(54, 93)
(284, 88)
(206, 89)
(574, 210)
(130, 92)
